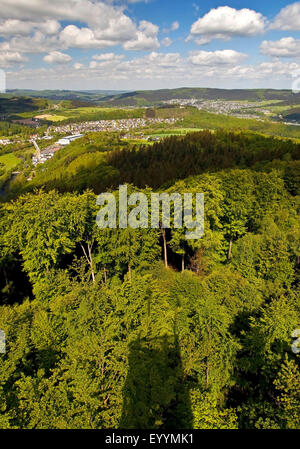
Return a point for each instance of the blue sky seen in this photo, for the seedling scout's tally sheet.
(140, 44)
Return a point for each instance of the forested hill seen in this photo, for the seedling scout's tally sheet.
(154, 97)
(148, 97)
(101, 164)
(88, 95)
(10, 104)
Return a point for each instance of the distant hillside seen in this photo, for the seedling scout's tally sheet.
(90, 95)
(154, 97)
(292, 115)
(13, 105)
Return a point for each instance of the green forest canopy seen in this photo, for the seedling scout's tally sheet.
(102, 334)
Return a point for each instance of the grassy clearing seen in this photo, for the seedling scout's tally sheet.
(52, 118)
(173, 132)
(9, 161)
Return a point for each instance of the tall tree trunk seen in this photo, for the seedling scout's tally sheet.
(105, 276)
(230, 249)
(182, 263)
(89, 258)
(207, 374)
(91, 262)
(6, 280)
(165, 248)
(207, 370)
(129, 271)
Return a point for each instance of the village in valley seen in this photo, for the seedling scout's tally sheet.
(78, 130)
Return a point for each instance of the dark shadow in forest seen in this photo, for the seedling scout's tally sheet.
(155, 395)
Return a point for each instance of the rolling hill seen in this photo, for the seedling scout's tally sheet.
(155, 97)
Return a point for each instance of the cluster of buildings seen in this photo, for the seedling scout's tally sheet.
(5, 142)
(110, 125)
(32, 122)
(77, 131)
(42, 156)
(11, 141)
(45, 155)
(68, 139)
(234, 108)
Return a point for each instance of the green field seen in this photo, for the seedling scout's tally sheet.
(9, 161)
(62, 113)
(52, 118)
(173, 132)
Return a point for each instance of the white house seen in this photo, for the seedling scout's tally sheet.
(68, 139)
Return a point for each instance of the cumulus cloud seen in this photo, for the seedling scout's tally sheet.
(78, 66)
(74, 37)
(225, 23)
(156, 70)
(288, 19)
(286, 47)
(145, 38)
(208, 58)
(49, 27)
(36, 43)
(108, 57)
(56, 57)
(34, 26)
(40, 26)
(103, 24)
(9, 58)
(165, 59)
(175, 26)
(166, 42)
(105, 59)
(13, 27)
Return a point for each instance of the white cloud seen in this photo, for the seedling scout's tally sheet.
(105, 60)
(74, 37)
(175, 26)
(9, 58)
(288, 19)
(208, 58)
(226, 22)
(49, 27)
(165, 59)
(104, 24)
(34, 26)
(145, 38)
(286, 47)
(37, 43)
(156, 70)
(166, 42)
(78, 66)
(108, 57)
(13, 27)
(56, 57)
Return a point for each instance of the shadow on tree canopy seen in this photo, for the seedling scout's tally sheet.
(155, 395)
